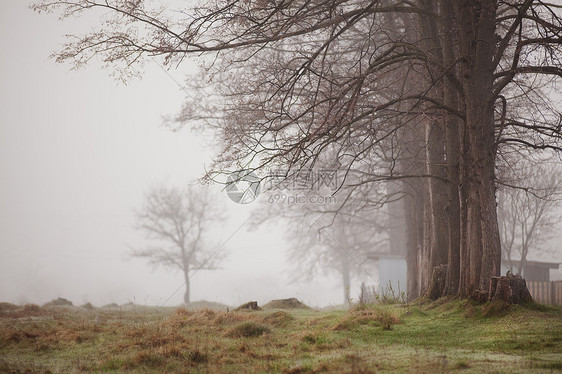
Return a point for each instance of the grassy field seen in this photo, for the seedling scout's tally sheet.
(445, 336)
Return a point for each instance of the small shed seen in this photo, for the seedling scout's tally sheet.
(392, 273)
(533, 271)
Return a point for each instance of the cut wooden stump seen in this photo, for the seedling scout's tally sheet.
(510, 288)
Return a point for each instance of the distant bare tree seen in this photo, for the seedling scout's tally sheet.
(326, 234)
(528, 217)
(178, 221)
(343, 247)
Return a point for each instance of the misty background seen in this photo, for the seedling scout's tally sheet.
(77, 152)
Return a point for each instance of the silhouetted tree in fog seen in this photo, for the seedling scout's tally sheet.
(177, 222)
(528, 212)
(342, 246)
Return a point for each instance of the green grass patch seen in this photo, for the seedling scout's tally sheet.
(248, 330)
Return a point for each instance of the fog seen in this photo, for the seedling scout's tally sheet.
(77, 151)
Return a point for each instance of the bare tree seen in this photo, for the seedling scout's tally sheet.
(320, 244)
(326, 235)
(298, 79)
(528, 215)
(177, 221)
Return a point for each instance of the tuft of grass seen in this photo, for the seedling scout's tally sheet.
(248, 330)
(145, 358)
(364, 314)
(495, 308)
(31, 308)
(278, 319)
(389, 296)
(387, 318)
(462, 364)
(28, 310)
(8, 307)
(182, 312)
(318, 340)
(197, 357)
(556, 365)
(88, 306)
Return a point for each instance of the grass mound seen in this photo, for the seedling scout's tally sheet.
(203, 304)
(248, 330)
(59, 301)
(278, 319)
(8, 307)
(88, 306)
(291, 303)
(496, 308)
(28, 310)
(363, 314)
(250, 305)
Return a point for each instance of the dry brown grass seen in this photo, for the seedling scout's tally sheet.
(28, 310)
(248, 329)
(8, 307)
(181, 341)
(278, 319)
(364, 316)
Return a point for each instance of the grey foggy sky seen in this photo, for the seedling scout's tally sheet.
(77, 151)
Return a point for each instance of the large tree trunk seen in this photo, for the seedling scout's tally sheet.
(437, 198)
(481, 252)
(469, 227)
(411, 214)
(452, 145)
(439, 236)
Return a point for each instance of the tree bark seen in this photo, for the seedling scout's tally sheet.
(510, 288)
(452, 144)
(476, 35)
(411, 214)
(437, 284)
(435, 164)
(345, 278)
(439, 236)
(186, 296)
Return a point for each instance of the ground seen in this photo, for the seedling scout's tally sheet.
(444, 336)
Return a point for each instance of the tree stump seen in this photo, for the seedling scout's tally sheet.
(437, 285)
(510, 288)
(251, 305)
